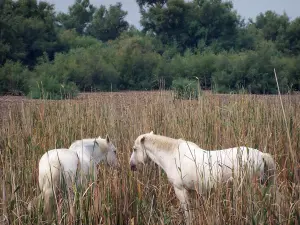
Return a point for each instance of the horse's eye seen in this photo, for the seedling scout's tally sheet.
(134, 149)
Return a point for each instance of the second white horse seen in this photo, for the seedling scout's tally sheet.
(188, 167)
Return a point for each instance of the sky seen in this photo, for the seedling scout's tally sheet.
(245, 8)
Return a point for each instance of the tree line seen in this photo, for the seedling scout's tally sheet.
(53, 55)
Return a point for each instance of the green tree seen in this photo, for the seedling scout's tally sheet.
(27, 31)
(13, 78)
(188, 24)
(70, 39)
(79, 16)
(87, 68)
(293, 37)
(272, 24)
(108, 24)
(137, 61)
(250, 70)
(248, 36)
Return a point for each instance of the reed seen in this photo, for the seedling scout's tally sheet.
(31, 127)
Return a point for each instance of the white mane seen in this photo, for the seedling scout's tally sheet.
(161, 142)
(92, 148)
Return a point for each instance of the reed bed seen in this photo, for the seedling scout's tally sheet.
(31, 127)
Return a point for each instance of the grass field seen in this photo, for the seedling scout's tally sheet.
(31, 127)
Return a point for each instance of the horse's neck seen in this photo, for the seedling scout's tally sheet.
(160, 155)
(88, 151)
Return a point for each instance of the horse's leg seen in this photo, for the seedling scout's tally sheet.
(70, 180)
(182, 195)
(71, 200)
(48, 203)
(34, 203)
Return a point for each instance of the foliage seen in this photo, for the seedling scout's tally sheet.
(136, 61)
(293, 37)
(13, 78)
(272, 25)
(79, 15)
(95, 48)
(108, 24)
(70, 39)
(188, 23)
(87, 68)
(145, 3)
(252, 71)
(27, 31)
(185, 89)
(48, 87)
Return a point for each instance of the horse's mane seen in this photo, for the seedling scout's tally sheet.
(89, 144)
(162, 142)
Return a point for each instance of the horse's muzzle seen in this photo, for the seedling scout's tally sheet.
(133, 167)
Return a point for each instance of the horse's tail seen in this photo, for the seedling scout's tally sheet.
(34, 202)
(49, 178)
(269, 168)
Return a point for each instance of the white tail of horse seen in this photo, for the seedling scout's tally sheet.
(47, 191)
(270, 168)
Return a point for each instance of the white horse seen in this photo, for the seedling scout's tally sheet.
(76, 165)
(189, 167)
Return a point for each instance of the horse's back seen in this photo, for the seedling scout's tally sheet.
(236, 157)
(209, 166)
(239, 154)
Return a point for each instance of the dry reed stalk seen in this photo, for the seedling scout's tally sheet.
(213, 122)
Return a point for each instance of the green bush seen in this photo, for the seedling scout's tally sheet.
(185, 88)
(86, 68)
(137, 62)
(70, 39)
(47, 87)
(13, 78)
(189, 66)
(250, 70)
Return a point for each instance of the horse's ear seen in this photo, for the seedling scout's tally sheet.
(143, 140)
(151, 132)
(107, 138)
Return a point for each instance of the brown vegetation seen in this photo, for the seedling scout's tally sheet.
(31, 127)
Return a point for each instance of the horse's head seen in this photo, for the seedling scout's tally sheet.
(108, 150)
(139, 155)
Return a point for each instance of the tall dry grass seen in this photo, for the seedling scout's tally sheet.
(145, 197)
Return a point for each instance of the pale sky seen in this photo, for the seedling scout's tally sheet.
(246, 8)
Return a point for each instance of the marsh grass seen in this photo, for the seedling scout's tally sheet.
(30, 128)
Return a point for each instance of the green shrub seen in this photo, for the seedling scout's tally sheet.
(47, 87)
(185, 88)
(70, 39)
(252, 71)
(87, 68)
(137, 62)
(13, 78)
